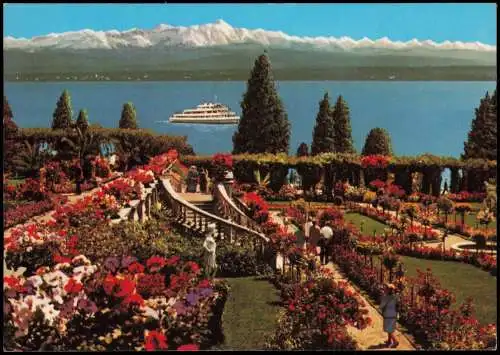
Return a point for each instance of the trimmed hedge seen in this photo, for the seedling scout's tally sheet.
(417, 163)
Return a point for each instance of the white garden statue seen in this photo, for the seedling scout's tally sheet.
(209, 247)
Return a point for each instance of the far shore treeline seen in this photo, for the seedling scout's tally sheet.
(262, 138)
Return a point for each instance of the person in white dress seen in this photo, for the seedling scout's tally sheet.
(209, 247)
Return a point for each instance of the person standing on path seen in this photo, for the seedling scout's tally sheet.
(307, 228)
(388, 306)
(209, 247)
(326, 237)
(314, 235)
(203, 180)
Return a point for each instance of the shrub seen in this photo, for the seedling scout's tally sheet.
(369, 196)
(338, 201)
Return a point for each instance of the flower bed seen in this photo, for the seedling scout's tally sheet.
(22, 213)
(430, 319)
(121, 305)
(65, 301)
(428, 315)
(317, 314)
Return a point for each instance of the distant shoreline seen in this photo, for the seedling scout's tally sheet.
(452, 73)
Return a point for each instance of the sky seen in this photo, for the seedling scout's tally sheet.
(401, 22)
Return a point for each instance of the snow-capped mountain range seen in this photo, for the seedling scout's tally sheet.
(220, 33)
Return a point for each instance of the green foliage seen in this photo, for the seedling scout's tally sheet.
(10, 134)
(323, 133)
(62, 116)
(482, 138)
(264, 125)
(303, 150)
(82, 122)
(342, 127)
(378, 142)
(10, 128)
(128, 118)
(83, 144)
(30, 160)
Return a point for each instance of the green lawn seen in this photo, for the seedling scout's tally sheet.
(470, 220)
(365, 224)
(464, 281)
(250, 314)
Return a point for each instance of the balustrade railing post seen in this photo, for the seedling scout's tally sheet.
(140, 211)
(148, 205)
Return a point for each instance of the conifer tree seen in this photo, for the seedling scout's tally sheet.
(62, 116)
(377, 141)
(323, 133)
(482, 138)
(128, 118)
(264, 125)
(342, 127)
(10, 128)
(303, 150)
(11, 146)
(82, 121)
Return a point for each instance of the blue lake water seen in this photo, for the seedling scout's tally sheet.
(422, 117)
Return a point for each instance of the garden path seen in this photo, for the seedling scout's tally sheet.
(373, 337)
(451, 239)
(47, 216)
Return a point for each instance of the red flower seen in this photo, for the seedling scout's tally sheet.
(58, 259)
(204, 283)
(173, 260)
(109, 284)
(155, 263)
(188, 347)
(194, 266)
(134, 299)
(14, 283)
(136, 268)
(155, 339)
(125, 288)
(73, 286)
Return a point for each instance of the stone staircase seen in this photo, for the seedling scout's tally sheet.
(193, 212)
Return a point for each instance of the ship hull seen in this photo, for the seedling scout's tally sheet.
(205, 121)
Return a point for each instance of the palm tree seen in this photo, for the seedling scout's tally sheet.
(30, 160)
(83, 144)
(133, 149)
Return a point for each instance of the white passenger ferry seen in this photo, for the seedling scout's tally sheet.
(206, 113)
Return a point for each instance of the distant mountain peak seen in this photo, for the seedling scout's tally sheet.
(219, 33)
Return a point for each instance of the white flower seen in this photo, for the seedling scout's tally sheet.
(36, 280)
(62, 266)
(56, 278)
(81, 259)
(50, 313)
(150, 312)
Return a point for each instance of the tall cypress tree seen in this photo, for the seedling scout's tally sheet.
(10, 128)
(303, 150)
(264, 125)
(342, 127)
(323, 133)
(482, 138)
(82, 121)
(62, 116)
(128, 118)
(377, 141)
